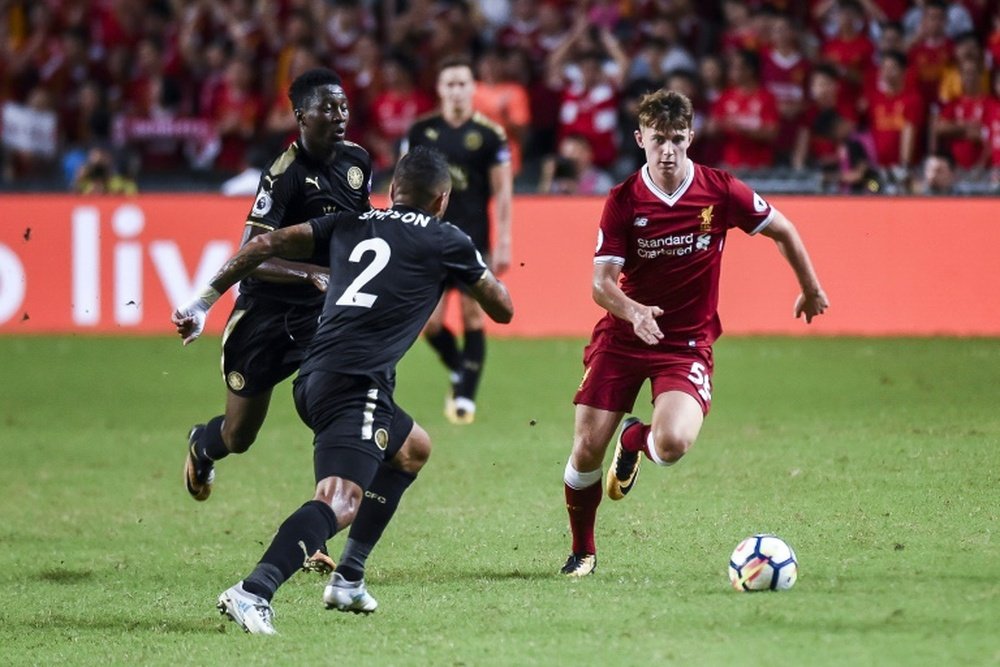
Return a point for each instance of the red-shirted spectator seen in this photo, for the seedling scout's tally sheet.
(992, 123)
(850, 50)
(348, 22)
(895, 115)
(930, 52)
(993, 41)
(816, 143)
(960, 128)
(784, 70)
(237, 113)
(740, 32)
(521, 31)
(393, 111)
(746, 115)
(589, 101)
(967, 47)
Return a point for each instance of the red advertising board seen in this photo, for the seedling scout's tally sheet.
(891, 266)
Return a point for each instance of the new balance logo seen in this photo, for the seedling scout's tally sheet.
(640, 222)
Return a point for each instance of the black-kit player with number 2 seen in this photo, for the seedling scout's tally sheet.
(392, 266)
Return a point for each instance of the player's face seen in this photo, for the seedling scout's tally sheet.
(455, 87)
(666, 150)
(323, 120)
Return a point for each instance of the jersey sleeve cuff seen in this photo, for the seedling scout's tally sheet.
(254, 223)
(765, 222)
(609, 259)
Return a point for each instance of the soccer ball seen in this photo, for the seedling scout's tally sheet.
(763, 563)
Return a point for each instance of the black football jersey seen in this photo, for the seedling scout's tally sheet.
(472, 149)
(391, 267)
(297, 188)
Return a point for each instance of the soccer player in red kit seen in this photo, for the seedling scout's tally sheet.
(662, 234)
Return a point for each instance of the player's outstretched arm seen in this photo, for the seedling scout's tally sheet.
(609, 296)
(291, 242)
(812, 301)
(493, 296)
(283, 271)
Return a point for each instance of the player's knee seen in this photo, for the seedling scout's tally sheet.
(415, 451)
(588, 452)
(343, 500)
(671, 445)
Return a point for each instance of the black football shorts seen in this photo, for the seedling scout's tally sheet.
(264, 342)
(355, 422)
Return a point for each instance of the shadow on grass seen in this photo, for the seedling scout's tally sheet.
(104, 623)
(482, 576)
(63, 576)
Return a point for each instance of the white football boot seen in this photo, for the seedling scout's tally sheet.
(249, 611)
(344, 595)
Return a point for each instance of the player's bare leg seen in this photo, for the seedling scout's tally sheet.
(676, 423)
(232, 432)
(473, 357)
(592, 431)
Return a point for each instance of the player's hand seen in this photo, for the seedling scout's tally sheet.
(500, 259)
(320, 280)
(190, 319)
(644, 324)
(811, 304)
(189, 323)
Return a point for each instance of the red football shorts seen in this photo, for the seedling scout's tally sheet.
(613, 375)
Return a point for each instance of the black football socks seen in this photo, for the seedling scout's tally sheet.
(210, 445)
(301, 535)
(380, 503)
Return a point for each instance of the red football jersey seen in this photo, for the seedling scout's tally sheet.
(967, 109)
(670, 249)
(888, 113)
(747, 110)
(992, 122)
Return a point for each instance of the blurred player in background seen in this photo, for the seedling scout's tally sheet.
(392, 266)
(479, 157)
(662, 233)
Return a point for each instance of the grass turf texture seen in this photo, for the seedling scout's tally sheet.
(876, 459)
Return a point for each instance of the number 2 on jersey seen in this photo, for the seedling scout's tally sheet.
(353, 296)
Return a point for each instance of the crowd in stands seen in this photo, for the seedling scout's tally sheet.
(845, 96)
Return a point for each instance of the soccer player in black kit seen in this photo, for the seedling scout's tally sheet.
(276, 314)
(479, 158)
(392, 266)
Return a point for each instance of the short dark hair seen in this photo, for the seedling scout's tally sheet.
(421, 176)
(893, 54)
(828, 70)
(306, 83)
(455, 60)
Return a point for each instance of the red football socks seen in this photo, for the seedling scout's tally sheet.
(582, 507)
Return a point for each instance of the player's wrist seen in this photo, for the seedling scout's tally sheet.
(205, 299)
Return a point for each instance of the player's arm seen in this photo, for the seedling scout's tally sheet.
(609, 296)
(502, 186)
(812, 301)
(278, 270)
(493, 296)
(291, 242)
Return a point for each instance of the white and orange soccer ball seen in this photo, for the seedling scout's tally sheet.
(763, 562)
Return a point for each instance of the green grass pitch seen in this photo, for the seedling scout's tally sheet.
(878, 460)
